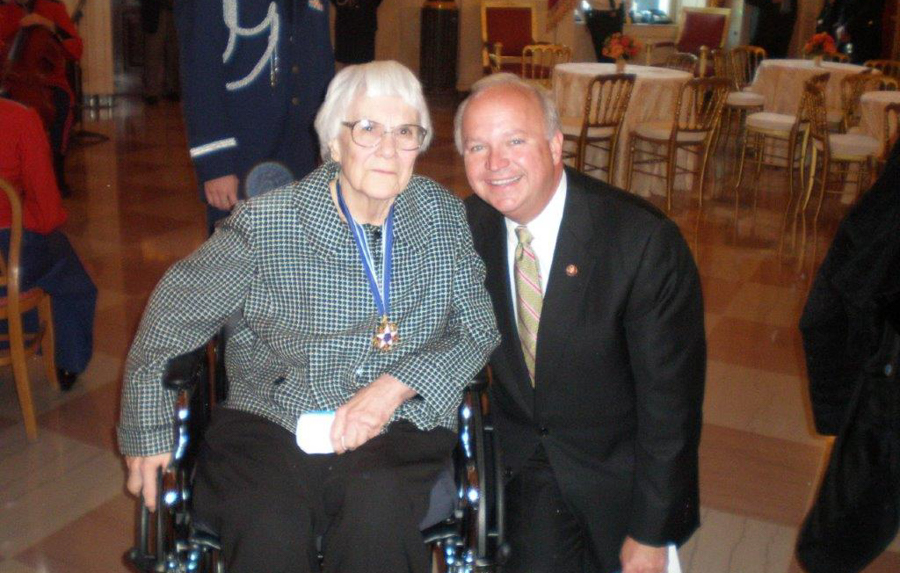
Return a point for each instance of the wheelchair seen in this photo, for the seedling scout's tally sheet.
(464, 527)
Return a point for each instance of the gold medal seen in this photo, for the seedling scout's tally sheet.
(386, 335)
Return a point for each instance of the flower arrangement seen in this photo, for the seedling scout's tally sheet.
(622, 46)
(820, 44)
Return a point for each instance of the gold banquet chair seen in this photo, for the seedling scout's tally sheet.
(20, 344)
(538, 61)
(741, 65)
(605, 104)
(697, 112)
(760, 128)
(681, 61)
(852, 89)
(831, 154)
(890, 68)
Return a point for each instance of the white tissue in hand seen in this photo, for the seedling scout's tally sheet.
(314, 432)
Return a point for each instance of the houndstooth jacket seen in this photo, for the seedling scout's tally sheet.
(287, 264)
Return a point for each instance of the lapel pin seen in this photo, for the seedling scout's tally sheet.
(571, 270)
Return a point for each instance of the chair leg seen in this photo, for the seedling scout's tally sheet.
(610, 159)
(672, 156)
(631, 151)
(703, 164)
(20, 373)
(740, 177)
(48, 342)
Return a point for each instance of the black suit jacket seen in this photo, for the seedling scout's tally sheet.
(620, 365)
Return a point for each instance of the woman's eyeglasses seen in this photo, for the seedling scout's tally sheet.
(368, 133)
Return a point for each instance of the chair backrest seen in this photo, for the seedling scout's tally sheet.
(853, 87)
(818, 82)
(538, 61)
(9, 266)
(607, 100)
(702, 27)
(681, 61)
(886, 67)
(814, 112)
(513, 24)
(699, 105)
(891, 128)
(744, 61)
(889, 84)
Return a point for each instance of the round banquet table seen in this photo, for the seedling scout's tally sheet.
(872, 106)
(781, 82)
(653, 99)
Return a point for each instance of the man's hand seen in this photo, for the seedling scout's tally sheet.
(37, 20)
(222, 192)
(639, 558)
(142, 476)
(366, 413)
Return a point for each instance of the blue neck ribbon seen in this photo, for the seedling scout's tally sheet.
(381, 295)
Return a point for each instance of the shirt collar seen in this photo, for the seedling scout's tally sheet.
(547, 222)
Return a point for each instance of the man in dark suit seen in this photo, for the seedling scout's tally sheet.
(598, 383)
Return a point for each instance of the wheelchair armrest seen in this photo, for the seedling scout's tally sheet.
(480, 382)
(182, 372)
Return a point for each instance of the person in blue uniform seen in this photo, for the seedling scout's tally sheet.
(253, 75)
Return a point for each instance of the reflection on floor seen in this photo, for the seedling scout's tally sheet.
(135, 210)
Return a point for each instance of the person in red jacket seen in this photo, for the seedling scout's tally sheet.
(48, 260)
(52, 15)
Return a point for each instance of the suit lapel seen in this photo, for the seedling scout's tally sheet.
(573, 261)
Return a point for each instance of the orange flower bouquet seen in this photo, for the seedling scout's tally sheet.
(621, 46)
(820, 44)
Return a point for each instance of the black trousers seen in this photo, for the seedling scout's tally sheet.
(270, 502)
(545, 534)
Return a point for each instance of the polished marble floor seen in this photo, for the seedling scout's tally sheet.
(134, 211)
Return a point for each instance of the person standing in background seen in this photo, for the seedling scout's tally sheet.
(160, 51)
(253, 75)
(774, 25)
(603, 19)
(355, 25)
(859, 29)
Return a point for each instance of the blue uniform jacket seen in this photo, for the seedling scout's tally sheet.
(254, 73)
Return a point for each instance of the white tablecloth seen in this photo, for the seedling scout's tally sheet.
(652, 99)
(781, 82)
(872, 105)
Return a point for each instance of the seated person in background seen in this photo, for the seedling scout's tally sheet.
(53, 16)
(358, 290)
(48, 260)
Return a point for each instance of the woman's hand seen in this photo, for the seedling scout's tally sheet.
(37, 20)
(142, 476)
(366, 413)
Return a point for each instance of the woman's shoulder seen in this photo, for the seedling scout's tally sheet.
(426, 192)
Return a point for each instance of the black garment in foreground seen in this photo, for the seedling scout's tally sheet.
(850, 337)
(269, 501)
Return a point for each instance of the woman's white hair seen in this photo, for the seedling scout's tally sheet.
(375, 79)
(551, 115)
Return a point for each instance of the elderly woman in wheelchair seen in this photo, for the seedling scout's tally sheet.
(358, 296)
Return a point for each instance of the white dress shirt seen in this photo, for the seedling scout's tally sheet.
(544, 229)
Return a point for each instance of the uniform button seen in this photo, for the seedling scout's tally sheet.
(888, 369)
(359, 371)
(507, 473)
(295, 100)
(544, 431)
(295, 70)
